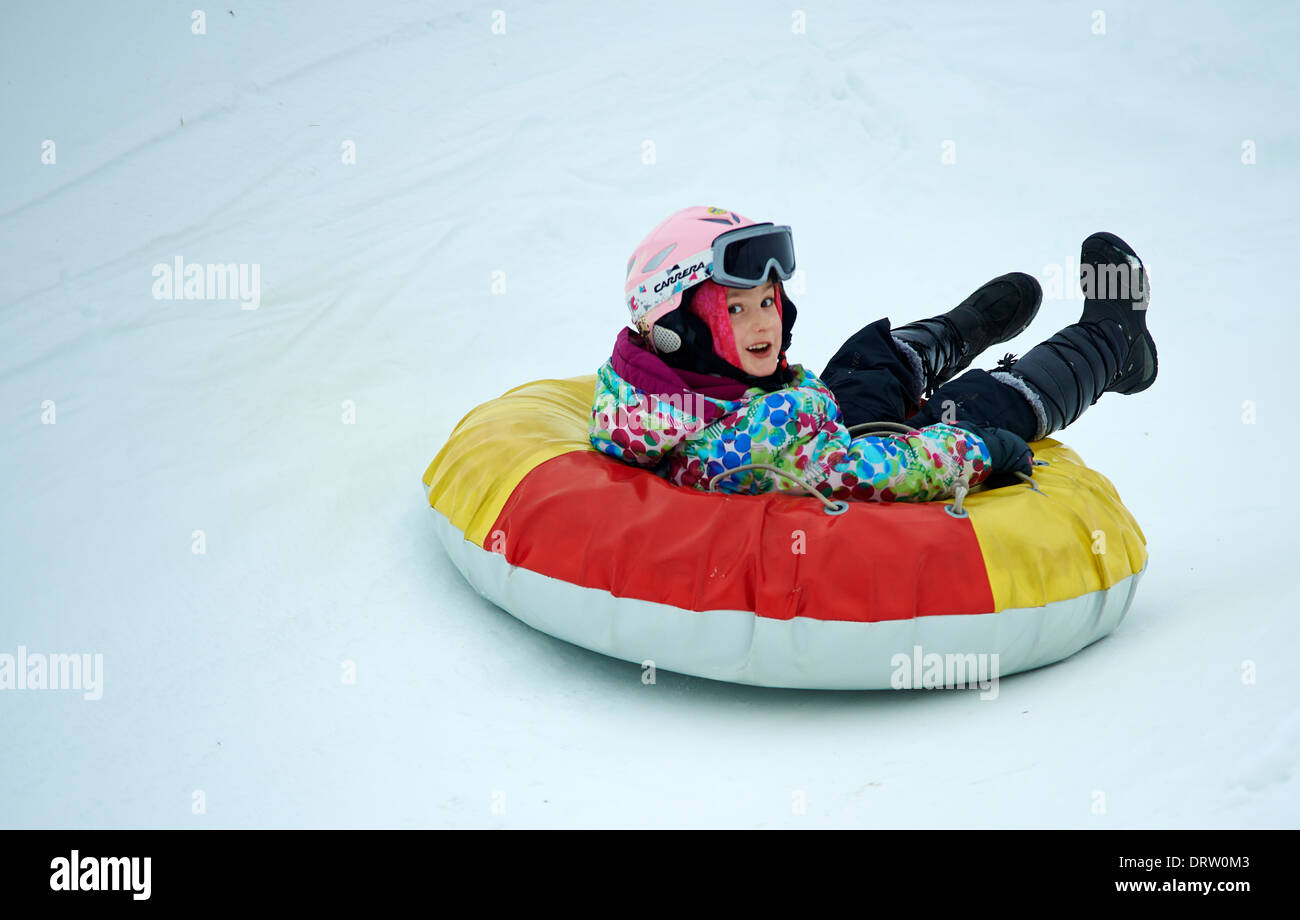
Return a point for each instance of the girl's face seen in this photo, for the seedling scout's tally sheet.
(756, 325)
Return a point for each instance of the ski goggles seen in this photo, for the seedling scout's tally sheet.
(740, 258)
(743, 257)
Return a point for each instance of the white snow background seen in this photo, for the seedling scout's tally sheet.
(525, 152)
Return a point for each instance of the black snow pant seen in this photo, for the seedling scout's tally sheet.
(873, 381)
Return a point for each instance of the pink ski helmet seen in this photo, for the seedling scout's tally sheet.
(697, 244)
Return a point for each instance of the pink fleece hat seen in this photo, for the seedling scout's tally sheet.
(710, 305)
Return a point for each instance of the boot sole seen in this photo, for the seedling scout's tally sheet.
(1027, 289)
(1024, 287)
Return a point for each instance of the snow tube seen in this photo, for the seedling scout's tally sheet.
(770, 589)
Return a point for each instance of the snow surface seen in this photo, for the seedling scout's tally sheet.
(525, 152)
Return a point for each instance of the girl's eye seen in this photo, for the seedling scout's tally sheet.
(737, 307)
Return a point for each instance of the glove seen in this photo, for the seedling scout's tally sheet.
(1009, 451)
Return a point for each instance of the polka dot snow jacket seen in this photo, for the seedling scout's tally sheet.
(686, 437)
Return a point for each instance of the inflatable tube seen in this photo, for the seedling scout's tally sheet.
(769, 589)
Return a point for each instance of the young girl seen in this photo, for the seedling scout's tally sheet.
(703, 385)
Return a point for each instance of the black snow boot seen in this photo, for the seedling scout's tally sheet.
(1108, 350)
(1119, 289)
(997, 312)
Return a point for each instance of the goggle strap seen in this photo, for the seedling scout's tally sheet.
(663, 285)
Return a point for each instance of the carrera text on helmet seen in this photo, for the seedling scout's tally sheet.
(676, 274)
